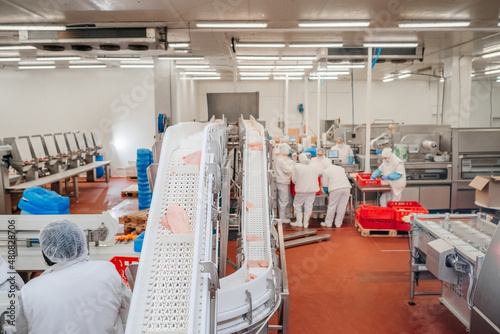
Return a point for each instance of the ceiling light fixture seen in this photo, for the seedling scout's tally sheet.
(260, 45)
(212, 73)
(181, 51)
(180, 58)
(88, 66)
(248, 67)
(254, 73)
(137, 65)
(289, 73)
(389, 45)
(403, 76)
(192, 66)
(36, 67)
(254, 78)
(298, 58)
(388, 79)
(491, 55)
(258, 57)
(494, 71)
(287, 78)
(345, 66)
(293, 66)
(17, 47)
(28, 27)
(333, 73)
(119, 58)
(222, 24)
(10, 59)
(206, 78)
(442, 24)
(59, 58)
(334, 24)
(178, 44)
(316, 45)
(323, 78)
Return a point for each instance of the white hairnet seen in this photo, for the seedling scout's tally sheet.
(284, 149)
(340, 139)
(303, 159)
(320, 151)
(285, 139)
(63, 241)
(327, 163)
(386, 152)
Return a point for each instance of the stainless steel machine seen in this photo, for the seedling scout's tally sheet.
(453, 248)
(476, 151)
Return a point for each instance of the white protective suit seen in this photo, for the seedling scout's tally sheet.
(339, 189)
(393, 165)
(319, 163)
(345, 152)
(76, 294)
(305, 177)
(283, 168)
(6, 274)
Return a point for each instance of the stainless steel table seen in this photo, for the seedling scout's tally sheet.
(367, 189)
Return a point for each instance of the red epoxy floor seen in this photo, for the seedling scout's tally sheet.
(350, 284)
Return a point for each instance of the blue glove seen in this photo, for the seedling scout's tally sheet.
(384, 177)
(394, 176)
(375, 174)
(351, 160)
(325, 189)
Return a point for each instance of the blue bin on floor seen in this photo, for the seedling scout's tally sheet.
(99, 171)
(40, 201)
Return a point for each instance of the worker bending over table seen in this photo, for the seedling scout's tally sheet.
(336, 184)
(392, 170)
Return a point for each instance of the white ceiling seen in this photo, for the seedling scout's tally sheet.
(282, 16)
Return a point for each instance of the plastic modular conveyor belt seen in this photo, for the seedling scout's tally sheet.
(177, 289)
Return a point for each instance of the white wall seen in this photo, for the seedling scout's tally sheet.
(408, 101)
(118, 103)
(485, 103)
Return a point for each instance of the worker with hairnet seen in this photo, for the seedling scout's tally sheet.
(305, 177)
(318, 161)
(75, 294)
(286, 141)
(283, 168)
(9, 278)
(346, 156)
(336, 184)
(393, 171)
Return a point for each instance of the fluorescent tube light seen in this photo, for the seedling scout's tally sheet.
(254, 78)
(192, 66)
(258, 57)
(334, 24)
(323, 78)
(202, 73)
(88, 66)
(443, 24)
(264, 67)
(260, 45)
(180, 58)
(254, 73)
(298, 58)
(137, 65)
(205, 78)
(10, 59)
(119, 58)
(36, 67)
(389, 45)
(59, 58)
(333, 73)
(345, 66)
(289, 73)
(497, 70)
(289, 78)
(17, 47)
(316, 45)
(491, 55)
(403, 76)
(31, 27)
(181, 51)
(293, 66)
(178, 44)
(388, 79)
(223, 24)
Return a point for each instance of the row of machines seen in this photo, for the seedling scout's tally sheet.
(440, 161)
(463, 252)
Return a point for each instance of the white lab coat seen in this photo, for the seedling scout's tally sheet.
(305, 177)
(334, 178)
(394, 165)
(339, 189)
(79, 296)
(319, 163)
(283, 168)
(345, 152)
(5, 275)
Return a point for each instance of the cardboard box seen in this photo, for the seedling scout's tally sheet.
(295, 133)
(487, 190)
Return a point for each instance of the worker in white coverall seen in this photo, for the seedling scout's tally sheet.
(392, 170)
(318, 161)
(336, 184)
(75, 294)
(283, 168)
(305, 177)
(9, 278)
(346, 156)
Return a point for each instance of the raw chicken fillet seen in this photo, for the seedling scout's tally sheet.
(193, 158)
(176, 220)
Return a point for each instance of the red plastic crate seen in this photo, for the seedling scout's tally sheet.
(374, 224)
(403, 204)
(121, 263)
(402, 226)
(402, 209)
(364, 180)
(376, 212)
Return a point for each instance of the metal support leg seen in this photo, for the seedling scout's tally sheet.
(75, 186)
(224, 223)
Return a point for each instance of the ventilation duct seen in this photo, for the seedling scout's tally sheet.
(385, 53)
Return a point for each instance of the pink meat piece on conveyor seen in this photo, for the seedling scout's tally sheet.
(249, 205)
(257, 264)
(253, 237)
(193, 158)
(176, 220)
(251, 277)
(263, 263)
(255, 146)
